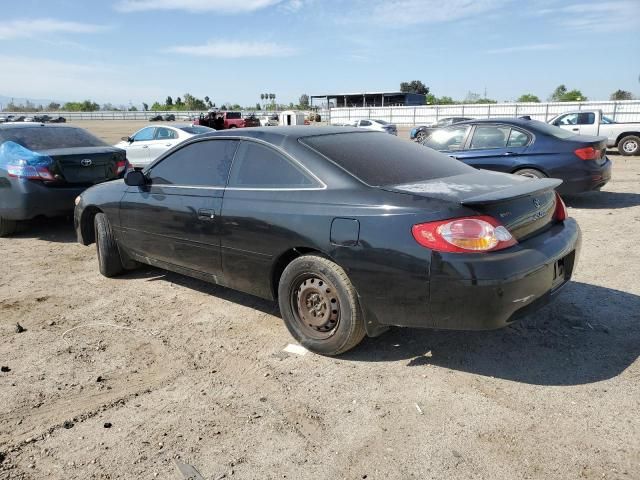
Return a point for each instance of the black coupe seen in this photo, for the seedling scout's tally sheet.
(351, 231)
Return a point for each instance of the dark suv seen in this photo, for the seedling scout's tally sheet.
(43, 168)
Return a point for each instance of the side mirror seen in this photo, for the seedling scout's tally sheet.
(135, 178)
(127, 139)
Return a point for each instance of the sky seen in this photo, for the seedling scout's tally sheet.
(133, 51)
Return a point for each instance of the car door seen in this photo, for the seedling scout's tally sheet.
(163, 140)
(175, 219)
(267, 192)
(138, 149)
(494, 147)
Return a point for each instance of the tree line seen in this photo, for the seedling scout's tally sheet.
(560, 94)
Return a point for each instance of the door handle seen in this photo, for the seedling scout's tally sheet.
(575, 129)
(204, 214)
(145, 146)
(452, 156)
(167, 144)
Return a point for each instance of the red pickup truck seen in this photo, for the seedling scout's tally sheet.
(223, 120)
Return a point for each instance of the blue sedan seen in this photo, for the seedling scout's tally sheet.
(530, 148)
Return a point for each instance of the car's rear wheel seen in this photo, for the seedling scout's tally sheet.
(629, 145)
(530, 172)
(109, 260)
(7, 227)
(421, 136)
(320, 306)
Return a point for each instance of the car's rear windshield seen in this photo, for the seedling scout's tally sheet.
(48, 138)
(550, 129)
(379, 159)
(195, 130)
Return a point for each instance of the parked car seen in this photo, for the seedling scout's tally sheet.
(623, 136)
(155, 118)
(3, 119)
(378, 125)
(58, 119)
(269, 121)
(41, 118)
(223, 120)
(169, 117)
(43, 168)
(148, 143)
(527, 147)
(350, 230)
(421, 132)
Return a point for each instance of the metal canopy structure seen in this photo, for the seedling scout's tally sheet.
(369, 99)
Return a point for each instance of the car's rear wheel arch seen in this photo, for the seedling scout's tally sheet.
(285, 259)
(522, 168)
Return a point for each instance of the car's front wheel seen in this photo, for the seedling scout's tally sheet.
(421, 136)
(320, 306)
(109, 260)
(7, 227)
(629, 145)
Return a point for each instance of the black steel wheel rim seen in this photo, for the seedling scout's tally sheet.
(315, 305)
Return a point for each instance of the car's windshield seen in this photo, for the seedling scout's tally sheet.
(550, 129)
(48, 138)
(195, 129)
(379, 159)
(381, 122)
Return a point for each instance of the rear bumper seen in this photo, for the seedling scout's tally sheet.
(489, 291)
(593, 179)
(25, 199)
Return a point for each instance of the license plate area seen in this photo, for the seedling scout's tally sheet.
(562, 270)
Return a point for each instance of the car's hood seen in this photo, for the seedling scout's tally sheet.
(481, 186)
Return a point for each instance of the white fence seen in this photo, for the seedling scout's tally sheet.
(619, 111)
(140, 115)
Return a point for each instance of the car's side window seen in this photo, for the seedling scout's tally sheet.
(205, 163)
(145, 134)
(569, 119)
(447, 139)
(490, 136)
(365, 123)
(163, 133)
(517, 138)
(586, 118)
(259, 166)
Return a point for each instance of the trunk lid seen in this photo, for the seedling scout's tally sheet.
(523, 205)
(85, 165)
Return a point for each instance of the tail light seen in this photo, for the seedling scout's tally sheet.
(561, 214)
(463, 235)
(22, 169)
(587, 153)
(122, 166)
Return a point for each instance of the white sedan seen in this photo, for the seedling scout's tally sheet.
(147, 144)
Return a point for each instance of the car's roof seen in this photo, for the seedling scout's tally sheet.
(36, 124)
(507, 120)
(288, 132)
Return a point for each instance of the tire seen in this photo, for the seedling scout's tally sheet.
(310, 284)
(7, 227)
(629, 145)
(530, 172)
(109, 260)
(232, 126)
(421, 136)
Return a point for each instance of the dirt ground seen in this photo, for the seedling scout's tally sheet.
(121, 378)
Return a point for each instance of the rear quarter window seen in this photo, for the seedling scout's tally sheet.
(379, 159)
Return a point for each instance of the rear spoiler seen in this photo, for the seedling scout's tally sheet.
(521, 190)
